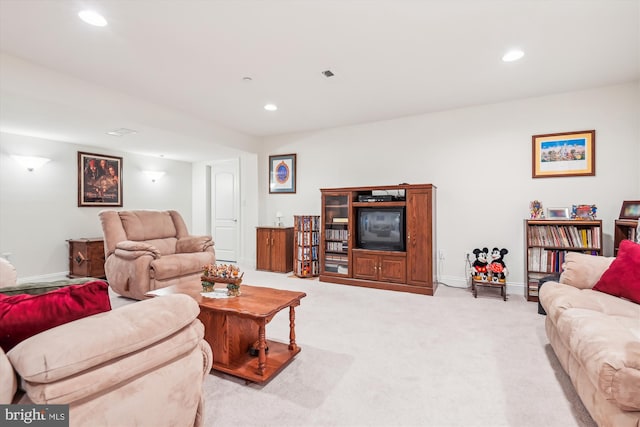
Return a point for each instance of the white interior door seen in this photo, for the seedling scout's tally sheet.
(225, 208)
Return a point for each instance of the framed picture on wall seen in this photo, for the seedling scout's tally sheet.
(564, 154)
(282, 173)
(99, 180)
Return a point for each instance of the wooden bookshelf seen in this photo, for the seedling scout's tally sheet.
(624, 229)
(306, 253)
(547, 243)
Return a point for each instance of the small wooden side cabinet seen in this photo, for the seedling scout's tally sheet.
(86, 257)
(274, 249)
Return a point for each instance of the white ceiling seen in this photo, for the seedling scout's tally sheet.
(391, 58)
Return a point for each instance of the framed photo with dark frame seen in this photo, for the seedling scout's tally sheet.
(282, 173)
(564, 154)
(630, 209)
(99, 180)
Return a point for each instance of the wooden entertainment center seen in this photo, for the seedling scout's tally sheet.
(353, 246)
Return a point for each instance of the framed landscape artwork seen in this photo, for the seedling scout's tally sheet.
(564, 154)
(99, 180)
(282, 173)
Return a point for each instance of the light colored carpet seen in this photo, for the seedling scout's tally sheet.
(380, 358)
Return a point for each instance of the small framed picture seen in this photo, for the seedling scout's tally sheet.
(558, 213)
(630, 209)
(282, 173)
(564, 154)
(99, 180)
(583, 212)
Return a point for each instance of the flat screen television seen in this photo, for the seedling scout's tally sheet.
(380, 229)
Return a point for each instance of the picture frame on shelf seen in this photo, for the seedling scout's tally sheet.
(585, 212)
(558, 213)
(630, 209)
(564, 154)
(282, 173)
(99, 180)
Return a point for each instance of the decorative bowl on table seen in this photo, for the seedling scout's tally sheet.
(224, 273)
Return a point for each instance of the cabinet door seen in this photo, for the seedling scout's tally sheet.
(392, 269)
(95, 250)
(280, 250)
(365, 265)
(419, 238)
(263, 249)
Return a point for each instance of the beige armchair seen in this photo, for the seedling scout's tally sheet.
(143, 364)
(147, 250)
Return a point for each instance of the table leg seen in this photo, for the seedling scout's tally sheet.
(292, 329)
(262, 345)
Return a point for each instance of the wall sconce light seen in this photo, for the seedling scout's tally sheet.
(31, 162)
(154, 175)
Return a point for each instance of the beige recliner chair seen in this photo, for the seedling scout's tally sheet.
(118, 368)
(148, 249)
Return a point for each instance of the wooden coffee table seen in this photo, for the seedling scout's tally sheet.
(234, 325)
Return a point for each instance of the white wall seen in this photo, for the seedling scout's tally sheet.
(38, 210)
(480, 160)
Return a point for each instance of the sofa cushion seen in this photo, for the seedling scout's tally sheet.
(622, 278)
(22, 316)
(557, 297)
(583, 271)
(608, 347)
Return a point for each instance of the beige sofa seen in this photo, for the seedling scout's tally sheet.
(142, 364)
(596, 338)
(148, 249)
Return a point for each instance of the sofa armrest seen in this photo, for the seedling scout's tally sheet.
(101, 338)
(132, 250)
(191, 244)
(583, 271)
(9, 382)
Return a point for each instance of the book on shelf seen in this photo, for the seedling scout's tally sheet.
(564, 236)
(340, 220)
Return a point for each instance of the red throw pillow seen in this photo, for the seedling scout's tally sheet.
(23, 315)
(622, 278)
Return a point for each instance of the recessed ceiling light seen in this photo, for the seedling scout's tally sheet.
(271, 107)
(246, 79)
(92, 17)
(513, 55)
(121, 132)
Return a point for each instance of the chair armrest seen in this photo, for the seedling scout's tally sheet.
(191, 244)
(108, 348)
(132, 250)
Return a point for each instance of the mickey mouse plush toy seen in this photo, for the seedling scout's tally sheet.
(480, 264)
(497, 267)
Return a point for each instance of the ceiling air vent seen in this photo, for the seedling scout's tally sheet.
(327, 73)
